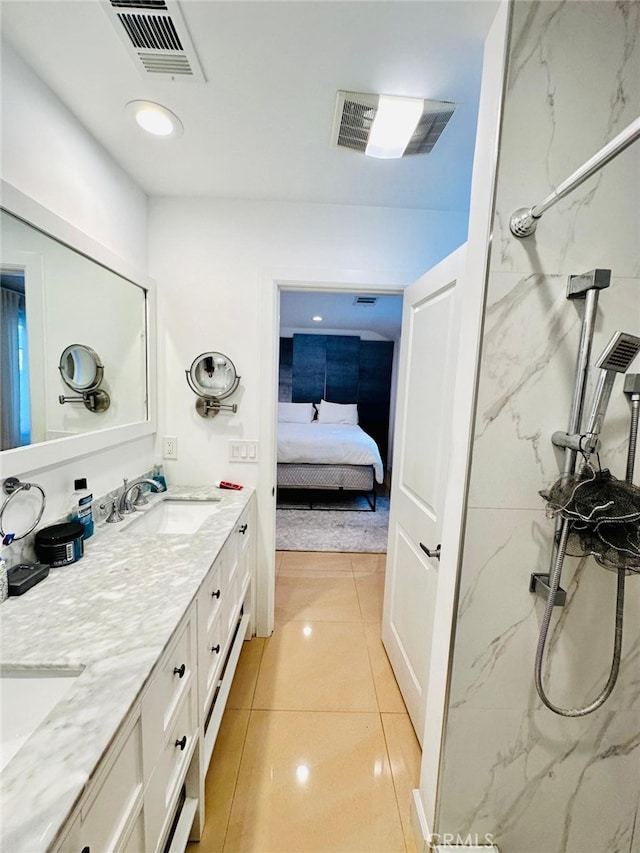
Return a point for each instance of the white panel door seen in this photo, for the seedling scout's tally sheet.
(430, 331)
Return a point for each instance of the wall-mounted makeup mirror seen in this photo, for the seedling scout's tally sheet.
(212, 377)
(53, 294)
(82, 371)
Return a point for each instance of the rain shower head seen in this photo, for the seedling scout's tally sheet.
(617, 357)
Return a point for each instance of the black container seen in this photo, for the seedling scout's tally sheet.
(23, 577)
(60, 544)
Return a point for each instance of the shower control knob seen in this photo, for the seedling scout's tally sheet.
(431, 552)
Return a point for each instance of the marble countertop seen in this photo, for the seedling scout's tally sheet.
(111, 615)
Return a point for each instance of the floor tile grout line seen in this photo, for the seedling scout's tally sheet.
(393, 782)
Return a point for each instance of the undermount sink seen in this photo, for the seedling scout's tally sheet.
(26, 698)
(173, 515)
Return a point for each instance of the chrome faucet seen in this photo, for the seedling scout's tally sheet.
(126, 506)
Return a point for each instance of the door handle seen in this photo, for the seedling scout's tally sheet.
(431, 552)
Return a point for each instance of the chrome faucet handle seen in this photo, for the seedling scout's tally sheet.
(126, 505)
(114, 516)
(141, 497)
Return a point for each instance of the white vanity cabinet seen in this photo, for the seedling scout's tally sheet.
(224, 607)
(147, 795)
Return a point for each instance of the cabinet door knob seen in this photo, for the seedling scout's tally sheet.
(242, 529)
(215, 594)
(179, 671)
(216, 649)
(431, 552)
(182, 742)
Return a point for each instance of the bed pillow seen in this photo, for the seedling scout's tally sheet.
(296, 413)
(337, 413)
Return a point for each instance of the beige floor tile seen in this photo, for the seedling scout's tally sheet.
(220, 782)
(246, 675)
(314, 783)
(387, 690)
(405, 757)
(366, 563)
(316, 666)
(325, 596)
(370, 589)
(314, 561)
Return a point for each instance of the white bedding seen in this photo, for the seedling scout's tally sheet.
(328, 444)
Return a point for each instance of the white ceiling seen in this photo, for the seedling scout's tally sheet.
(260, 126)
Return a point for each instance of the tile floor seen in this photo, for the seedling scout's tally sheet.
(316, 752)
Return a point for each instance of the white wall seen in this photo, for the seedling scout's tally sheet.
(49, 156)
(534, 780)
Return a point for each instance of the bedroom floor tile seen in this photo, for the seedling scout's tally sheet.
(316, 666)
(328, 596)
(317, 783)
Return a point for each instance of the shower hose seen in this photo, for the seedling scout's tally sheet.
(554, 583)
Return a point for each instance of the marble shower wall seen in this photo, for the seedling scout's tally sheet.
(540, 783)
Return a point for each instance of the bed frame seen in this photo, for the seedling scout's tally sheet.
(351, 478)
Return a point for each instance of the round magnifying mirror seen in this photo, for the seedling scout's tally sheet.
(81, 368)
(213, 374)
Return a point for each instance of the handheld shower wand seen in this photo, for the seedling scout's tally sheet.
(617, 357)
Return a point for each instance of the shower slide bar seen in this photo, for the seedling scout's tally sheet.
(524, 220)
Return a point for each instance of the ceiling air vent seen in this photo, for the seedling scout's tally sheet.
(155, 36)
(355, 112)
(365, 300)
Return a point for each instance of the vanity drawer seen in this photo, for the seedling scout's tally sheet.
(165, 694)
(212, 654)
(171, 768)
(110, 817)
(211, 597)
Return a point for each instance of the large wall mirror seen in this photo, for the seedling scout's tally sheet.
(55, 297)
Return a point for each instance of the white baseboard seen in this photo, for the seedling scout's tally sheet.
(429, 842)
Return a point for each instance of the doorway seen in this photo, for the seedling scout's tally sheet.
(338, 347)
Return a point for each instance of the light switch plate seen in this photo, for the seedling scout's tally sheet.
(243, 451)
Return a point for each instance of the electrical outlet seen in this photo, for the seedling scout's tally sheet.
(170, 447)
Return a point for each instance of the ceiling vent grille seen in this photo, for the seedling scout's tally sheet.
(155, 36)
(355, 112)
(365, 300)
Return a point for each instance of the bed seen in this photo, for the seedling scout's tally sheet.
(327, 450)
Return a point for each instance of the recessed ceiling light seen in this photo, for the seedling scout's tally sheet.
(155, 119)
(317, 319)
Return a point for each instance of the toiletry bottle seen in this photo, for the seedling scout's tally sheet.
(81, 509)
(158, 474)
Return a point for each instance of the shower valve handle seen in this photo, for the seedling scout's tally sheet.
(431, 552)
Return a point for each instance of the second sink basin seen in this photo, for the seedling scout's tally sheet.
(26, 697)
(173, 515)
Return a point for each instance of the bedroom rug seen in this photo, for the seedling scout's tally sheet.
(333, 530)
